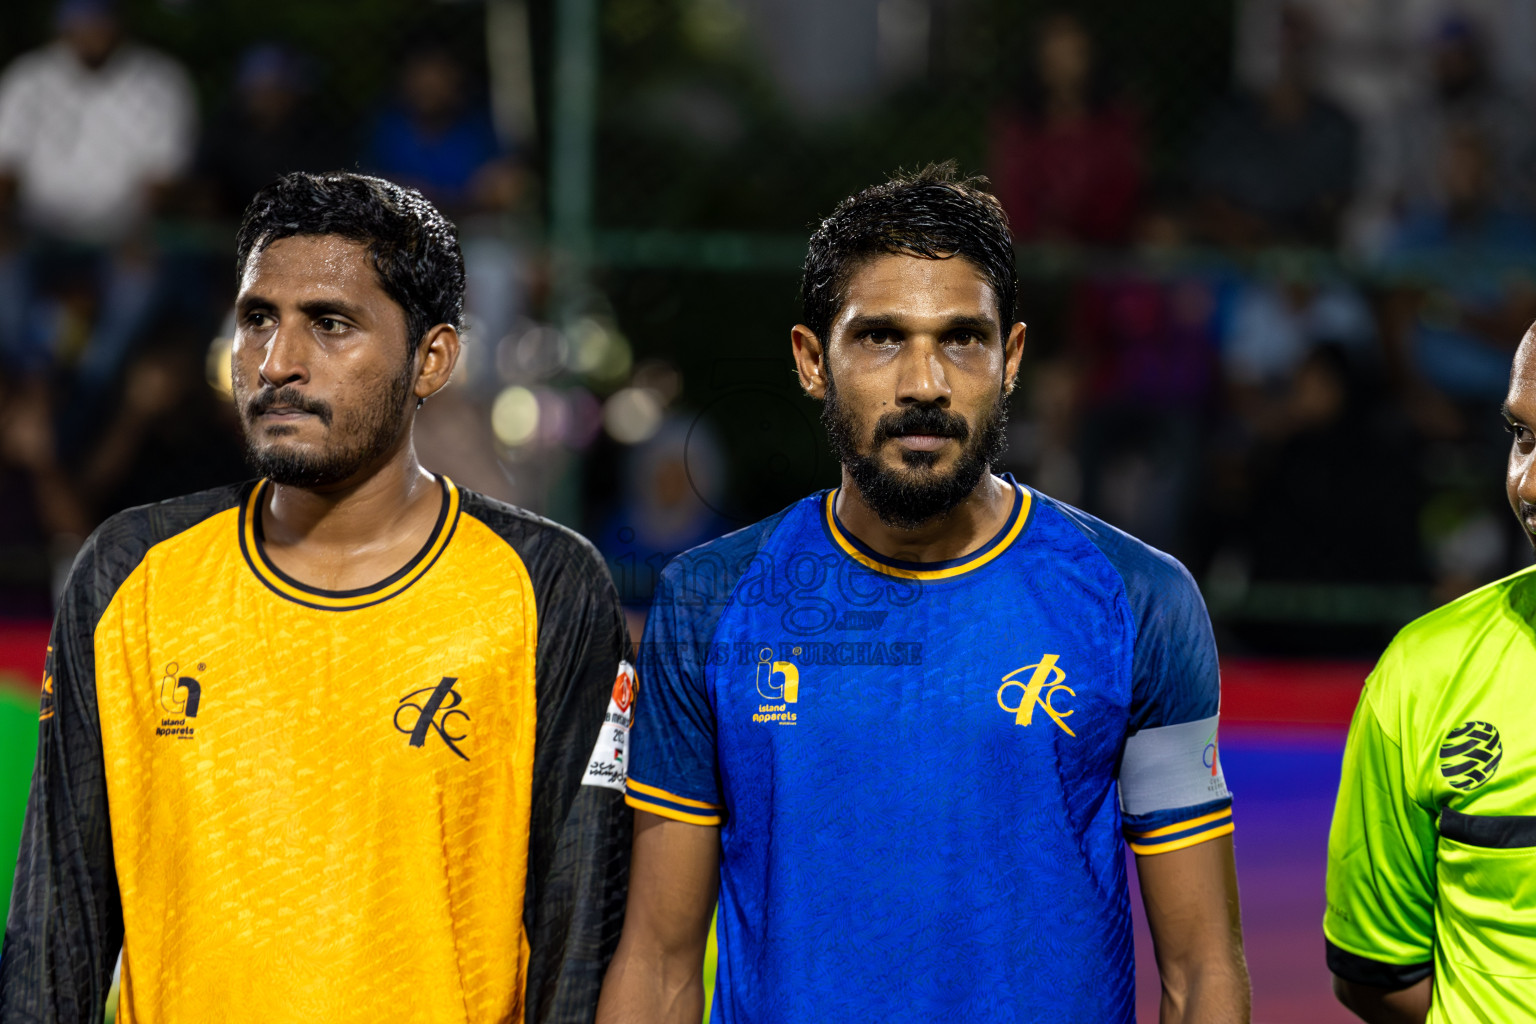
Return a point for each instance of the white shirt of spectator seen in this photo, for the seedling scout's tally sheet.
(84, 144)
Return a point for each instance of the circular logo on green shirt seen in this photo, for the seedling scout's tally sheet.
(1470, 755)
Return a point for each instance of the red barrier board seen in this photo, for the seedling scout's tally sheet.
(1282, 692)
(23, 647)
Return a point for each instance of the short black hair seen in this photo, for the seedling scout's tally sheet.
(933, 213)
(414, 248)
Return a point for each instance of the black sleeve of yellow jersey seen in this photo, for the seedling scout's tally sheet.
(579, 836)
(66, 924)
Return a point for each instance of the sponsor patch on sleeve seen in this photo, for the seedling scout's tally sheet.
(610, 756)
(45, 710)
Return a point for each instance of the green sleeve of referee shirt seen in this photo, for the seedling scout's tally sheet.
(1380, 920)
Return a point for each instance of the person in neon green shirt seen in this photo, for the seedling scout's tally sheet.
(1432, 854)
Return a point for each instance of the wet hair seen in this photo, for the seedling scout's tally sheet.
(413, 247)
(933, 214)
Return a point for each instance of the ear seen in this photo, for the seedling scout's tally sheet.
(1013, 356)
(809, 364)
(439, 354)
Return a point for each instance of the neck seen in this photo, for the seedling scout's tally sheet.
(369, 510)
(968, 526)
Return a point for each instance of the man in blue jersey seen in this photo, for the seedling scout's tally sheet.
(903, 729)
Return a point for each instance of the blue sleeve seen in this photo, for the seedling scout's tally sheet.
(673, 769)
(1173, 793)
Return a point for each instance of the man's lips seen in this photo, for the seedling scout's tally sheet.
(921, 442)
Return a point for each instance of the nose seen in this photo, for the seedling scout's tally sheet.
(1522, 476)
(922, 380)
(286, 358)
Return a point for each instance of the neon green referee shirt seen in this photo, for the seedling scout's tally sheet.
(1432, 853)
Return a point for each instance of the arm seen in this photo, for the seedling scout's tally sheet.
(66, 922)
(578, 843)
(1379, 923)
(657, 974)
(1385, 1006)
(1197, 932)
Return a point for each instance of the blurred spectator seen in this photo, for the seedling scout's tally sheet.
(270, 127)
(1145, 341)
(92, 130)
(1466, 289)
(1462, 93)
(437, 139)
(1277, 164)
(1278, 320)
(1066, 161)
(672, 485)
(169, 431)
(1313, 514)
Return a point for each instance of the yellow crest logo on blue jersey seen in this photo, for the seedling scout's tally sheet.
(1046, 678)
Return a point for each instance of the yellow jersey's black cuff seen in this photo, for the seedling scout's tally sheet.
(1364, 971)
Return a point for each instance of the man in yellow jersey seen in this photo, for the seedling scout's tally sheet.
(345, 743)
(1432, 857)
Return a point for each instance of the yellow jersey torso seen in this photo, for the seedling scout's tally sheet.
(321, 802)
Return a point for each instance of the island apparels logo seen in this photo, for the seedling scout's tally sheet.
(433, 708)
(180, 697)
(778, 683)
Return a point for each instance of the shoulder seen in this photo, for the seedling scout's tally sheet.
(35, 66)
(1141, 567)
(117, 546)
(1488, 615)
(717, 566)
(543, 545)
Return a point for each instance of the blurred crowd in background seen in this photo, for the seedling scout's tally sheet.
(1276, 258)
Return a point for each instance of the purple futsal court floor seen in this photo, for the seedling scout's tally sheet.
(1283, 781)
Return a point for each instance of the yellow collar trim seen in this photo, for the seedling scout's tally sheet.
(344, 600)
(1024, 502)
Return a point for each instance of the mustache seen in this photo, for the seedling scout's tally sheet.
(1527, 513)
(921, 419)
(291, 397)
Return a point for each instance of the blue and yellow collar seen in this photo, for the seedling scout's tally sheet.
(871, 559)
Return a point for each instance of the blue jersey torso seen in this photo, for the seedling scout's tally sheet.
(914, 768)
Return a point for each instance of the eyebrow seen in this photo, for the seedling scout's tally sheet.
(962, 322)
(311, 308)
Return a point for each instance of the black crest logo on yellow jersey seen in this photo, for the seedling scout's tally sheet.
(1046, 679)
(1470, 755)
(181, 697)
(432, 708)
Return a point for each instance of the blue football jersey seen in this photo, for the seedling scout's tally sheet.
(924, 773)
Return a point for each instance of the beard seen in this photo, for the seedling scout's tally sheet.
(367, 437)
(908, 498)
